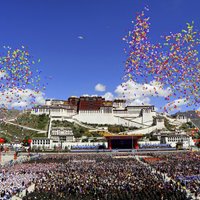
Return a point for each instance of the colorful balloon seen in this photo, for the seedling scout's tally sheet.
(173, 62)
(19, 77)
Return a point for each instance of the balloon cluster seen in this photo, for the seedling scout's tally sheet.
(171, 63)
(18, 76)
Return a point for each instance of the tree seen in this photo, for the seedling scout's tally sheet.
(42, 121)
(96, 134)
(85, 140)
(26, 142)
(115, 128)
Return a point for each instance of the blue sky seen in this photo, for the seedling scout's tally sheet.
(80, 42)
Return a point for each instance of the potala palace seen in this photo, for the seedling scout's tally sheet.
(96, 110)
(88, 111)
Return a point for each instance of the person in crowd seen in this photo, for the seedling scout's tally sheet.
(98, 177)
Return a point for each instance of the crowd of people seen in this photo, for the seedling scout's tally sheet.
(14, 179)
(89, 176)
(100, 176)
(181, 167)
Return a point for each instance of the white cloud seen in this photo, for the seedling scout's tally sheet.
(140, 101)
(156, 109)
(138, 94)
(176, 104)
(85, 95)
(100, 87)
(133, 90)
(80, 37)
(21, 104)
(39, 99)
(20, 98)
(108, 96)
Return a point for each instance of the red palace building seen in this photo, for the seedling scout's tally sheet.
(123, 141)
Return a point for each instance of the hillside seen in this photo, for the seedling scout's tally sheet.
(33, 121)
(192, 114)
(196, 122)
(9, 113)
(78, 131)
(13, 132)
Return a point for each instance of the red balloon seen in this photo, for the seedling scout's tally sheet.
(2, 140)
(29, 141)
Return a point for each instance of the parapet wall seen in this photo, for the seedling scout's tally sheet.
(109, 118)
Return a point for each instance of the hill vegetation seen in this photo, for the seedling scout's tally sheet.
(113, 128)
(78, 131)
(169, 126)
(12, 133)
(9, 113)
(187, 126)
(33, 121)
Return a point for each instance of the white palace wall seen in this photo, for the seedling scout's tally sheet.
(147, 117)
(135, 122)
(54, 112)
(100, 117)
(95, 117)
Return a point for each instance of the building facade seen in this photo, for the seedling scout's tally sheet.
(174, 139)
(62, 134)
(96, 110)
